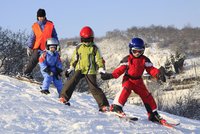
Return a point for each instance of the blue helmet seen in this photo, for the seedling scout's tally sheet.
(137, 44)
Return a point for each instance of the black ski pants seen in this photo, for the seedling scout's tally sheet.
(32, 62)
(97, 92)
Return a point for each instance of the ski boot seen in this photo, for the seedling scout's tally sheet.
(155, 117)
(45, 92)
(117, 109)
(104, 109)
(64, 101)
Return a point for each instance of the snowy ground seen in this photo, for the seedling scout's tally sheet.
(25, 110)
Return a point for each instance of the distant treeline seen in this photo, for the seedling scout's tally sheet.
(185, 40)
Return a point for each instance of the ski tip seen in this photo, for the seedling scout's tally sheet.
(129, 118)
(134, 119)
(170, 125)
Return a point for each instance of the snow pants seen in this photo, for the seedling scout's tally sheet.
(140, 89)
(97, 92)
(47, 81)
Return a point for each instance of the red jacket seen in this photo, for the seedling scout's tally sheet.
(134, 67)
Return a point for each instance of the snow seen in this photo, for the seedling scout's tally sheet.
(25, 110)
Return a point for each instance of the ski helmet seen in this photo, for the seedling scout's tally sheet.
(137, 45)
(51, 42)
(86, 32)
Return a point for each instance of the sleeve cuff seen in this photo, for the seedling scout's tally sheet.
(101, 70)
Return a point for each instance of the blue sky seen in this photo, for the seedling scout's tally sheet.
(69, 16)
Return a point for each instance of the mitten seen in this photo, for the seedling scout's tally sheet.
(58, 70)
(106, 76)
(29, 51)
(161, 77)
(48, 70)
(67, 72)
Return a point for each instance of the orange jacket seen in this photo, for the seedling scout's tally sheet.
(42, 36)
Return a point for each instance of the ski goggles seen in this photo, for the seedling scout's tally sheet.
(137, 51)
(53, 46)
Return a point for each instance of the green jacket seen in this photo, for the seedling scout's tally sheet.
(86, 57)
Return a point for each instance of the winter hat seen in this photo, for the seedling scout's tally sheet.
(41, 13)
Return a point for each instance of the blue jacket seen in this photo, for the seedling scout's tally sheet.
(51, 60)
(32, 36)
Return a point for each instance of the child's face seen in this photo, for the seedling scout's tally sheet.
(137, 53)
(52, 48)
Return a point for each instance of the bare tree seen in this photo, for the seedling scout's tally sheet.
(12, 51)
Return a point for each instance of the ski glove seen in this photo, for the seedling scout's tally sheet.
(68, 72)
(101, 70)
(29, 51)
(58, 73)
(106, 76)
(48, 70)
(58, 70)
(161, 76)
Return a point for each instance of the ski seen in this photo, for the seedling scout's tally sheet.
(27, 80)
(131, 119)
(125, 117)
(168, 124)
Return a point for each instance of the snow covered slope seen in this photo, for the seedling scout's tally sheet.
(23, 109)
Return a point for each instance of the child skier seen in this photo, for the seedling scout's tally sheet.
(133, 66)
(51, 66)
(85, 60)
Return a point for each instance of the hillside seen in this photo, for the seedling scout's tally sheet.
(25, 110)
